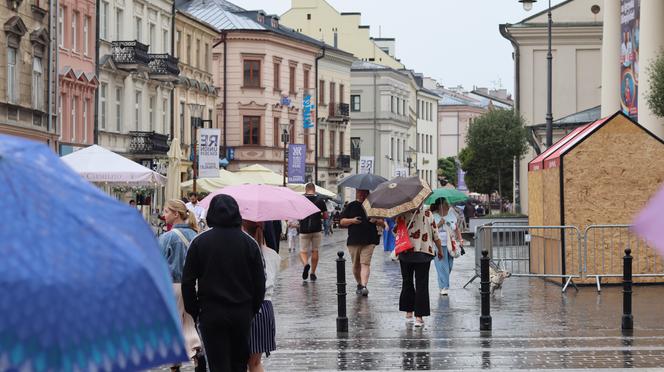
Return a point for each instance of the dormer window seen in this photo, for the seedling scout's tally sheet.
(275, 23)
(261, 18)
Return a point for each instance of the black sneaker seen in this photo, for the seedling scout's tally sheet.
(305, 272)
(365, 291)
(313, 277)
(358, 291)
(201, 363)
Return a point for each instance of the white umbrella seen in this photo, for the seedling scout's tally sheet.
(225, 178)
(258, 174)
(173, 183)
(97, 164)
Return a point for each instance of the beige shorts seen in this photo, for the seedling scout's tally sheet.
(361, 254)
(310, 241)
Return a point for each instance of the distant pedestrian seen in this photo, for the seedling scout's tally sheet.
(132, 203)
(292, 235)
(223, 286)
(263, 328)
(446, 221)
(174, 245)
(362, 239)
(311, 233)
(193, 206)
(423, 236)
(468, 212)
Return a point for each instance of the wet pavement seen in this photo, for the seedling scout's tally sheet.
(535, 326)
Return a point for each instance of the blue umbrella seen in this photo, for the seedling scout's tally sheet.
(84, 285)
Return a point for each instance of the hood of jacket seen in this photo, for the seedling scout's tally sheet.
(224, 212)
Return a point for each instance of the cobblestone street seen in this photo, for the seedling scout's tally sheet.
(535, 326)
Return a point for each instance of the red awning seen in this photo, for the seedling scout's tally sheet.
(553, 161)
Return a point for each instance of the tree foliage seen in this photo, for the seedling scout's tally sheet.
(447, 169)
(655, 98)
(493, 140)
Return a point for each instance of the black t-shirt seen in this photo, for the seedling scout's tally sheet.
(361, 234)
(313, 223)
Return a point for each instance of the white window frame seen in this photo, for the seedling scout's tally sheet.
(103, 19)
(165, 42)
(138, 24)
(74, 31)
(118, 109)
(37, 84)
(103, 92)
(61, 27)
(152, 36)
(119, 15)
(86, 35)
(138, 101)
(164, 113)
(12, 82)
(151, 103)
(86, 102)
(73, 117)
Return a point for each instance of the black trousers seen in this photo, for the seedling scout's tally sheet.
(225, 332)
(415, 293)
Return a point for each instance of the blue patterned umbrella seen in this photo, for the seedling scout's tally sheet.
(84, 286)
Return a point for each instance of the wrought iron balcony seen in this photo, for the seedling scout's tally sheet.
(148, 143)
(164, 67)
(130, 54)
(343, 162)
(338, 112)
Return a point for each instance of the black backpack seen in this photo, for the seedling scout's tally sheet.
(313, 223)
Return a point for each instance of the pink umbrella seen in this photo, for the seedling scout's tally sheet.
(266, 203)
(648, 223)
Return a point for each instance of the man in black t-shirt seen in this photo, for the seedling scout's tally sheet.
(311, 233)
(362, 238)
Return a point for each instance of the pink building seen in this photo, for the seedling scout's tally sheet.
(77, 80)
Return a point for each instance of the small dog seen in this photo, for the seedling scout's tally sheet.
(497, 276)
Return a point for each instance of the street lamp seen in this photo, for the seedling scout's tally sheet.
(411, 157)
(285, 138)
(195, 111)
(527, 6)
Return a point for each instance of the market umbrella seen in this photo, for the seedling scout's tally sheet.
(84, 285)
(300, 188)
(453, 196)
(364, 181)
(397, 196)
(224, 179)
(266, 203)
(173, 182)
(257, 174)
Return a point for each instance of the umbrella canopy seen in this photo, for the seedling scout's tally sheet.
(173, 182)
(225, 178)
(258, 174)
(397, 196)
(87, 288)
(97, 164)
(266, 203)
(300, 188)
(364, 181)
(648, 223)
(453, 196)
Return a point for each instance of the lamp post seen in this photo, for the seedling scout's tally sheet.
(195, 111)
(409, 159)
(527, 6)
(284, 139)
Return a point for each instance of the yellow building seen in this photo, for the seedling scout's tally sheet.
(319, 20)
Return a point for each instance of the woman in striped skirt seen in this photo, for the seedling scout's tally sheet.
(263, 329)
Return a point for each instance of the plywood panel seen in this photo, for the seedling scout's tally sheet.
(535, 201)
(551, 196)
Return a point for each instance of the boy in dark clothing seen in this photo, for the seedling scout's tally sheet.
(227, 265)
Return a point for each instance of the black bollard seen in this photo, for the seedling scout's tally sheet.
(485, 318)
(627, 318)
(342, 319)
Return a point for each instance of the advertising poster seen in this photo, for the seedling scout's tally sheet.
(401, 172)
(629, 56)
(366, 164)
(208, 152)
(307, 111)
(297, 157)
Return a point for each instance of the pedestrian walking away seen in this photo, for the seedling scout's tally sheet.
(448, 230)
(263, 327)
(311, 234)
(174, 245)
(362, 239)
(223, 286)
(422, 234)
(292, 234)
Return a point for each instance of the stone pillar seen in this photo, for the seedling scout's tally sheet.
(651, 44)
(611, 58)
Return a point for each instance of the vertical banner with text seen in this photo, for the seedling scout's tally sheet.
(208, 152)
(297, 157)
(630, 11)
(307, 111)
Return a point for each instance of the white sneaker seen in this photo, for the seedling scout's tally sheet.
(410, 320)
(444, 292)
(419, 324)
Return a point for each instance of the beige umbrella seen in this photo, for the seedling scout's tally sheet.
(173, 182)
(299, 187)
(225, 178)
(258, 174)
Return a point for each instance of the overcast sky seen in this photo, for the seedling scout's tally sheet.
(453, 41)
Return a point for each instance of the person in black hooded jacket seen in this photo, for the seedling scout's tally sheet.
(227, 265)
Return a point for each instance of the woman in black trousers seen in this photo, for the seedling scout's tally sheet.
(423, 235)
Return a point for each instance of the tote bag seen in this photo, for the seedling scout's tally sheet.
(452, 245)
(403, 242)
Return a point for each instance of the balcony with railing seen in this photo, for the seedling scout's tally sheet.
(129, 55)
(343, 162)
(163, 67)
(338, 112)
(149, 143)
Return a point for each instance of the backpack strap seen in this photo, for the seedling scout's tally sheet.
(181, 236)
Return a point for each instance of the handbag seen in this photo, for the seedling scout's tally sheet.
(403, 242)
(452, 245)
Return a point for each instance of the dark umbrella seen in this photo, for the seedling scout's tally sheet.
(397, 196)
(364, 181)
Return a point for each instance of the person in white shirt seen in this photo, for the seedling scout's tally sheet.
(195, 207)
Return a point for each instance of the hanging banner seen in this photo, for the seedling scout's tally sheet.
(630, 11)
(297, 157)
(401, 172)
(208, 152)
(307, 111)
(366, 164)
(461, 180)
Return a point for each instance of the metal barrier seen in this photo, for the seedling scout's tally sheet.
(532, 251)
(603, 254)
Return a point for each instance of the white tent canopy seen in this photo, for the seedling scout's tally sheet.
(99, 165)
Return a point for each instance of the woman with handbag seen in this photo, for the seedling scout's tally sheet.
(174, 245)
(450, 235)
(416, 241)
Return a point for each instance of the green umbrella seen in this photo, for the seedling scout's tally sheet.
(452, 196)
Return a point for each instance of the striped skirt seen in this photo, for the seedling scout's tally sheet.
(263, 331)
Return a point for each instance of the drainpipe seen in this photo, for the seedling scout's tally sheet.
(50, 66)
(374, 122)
(172, 126)
(318, 58)
(223, 38)
(95, 130)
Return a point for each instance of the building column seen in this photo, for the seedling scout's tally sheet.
(651, 44)
(611, 58)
